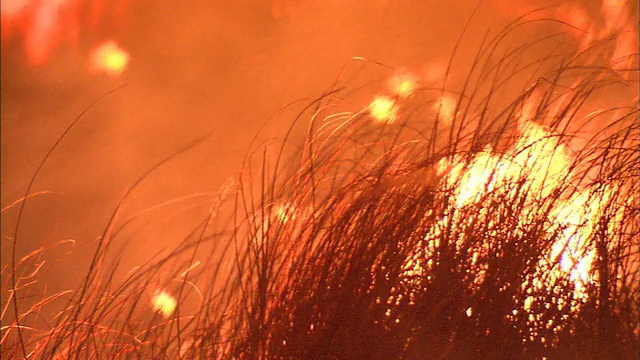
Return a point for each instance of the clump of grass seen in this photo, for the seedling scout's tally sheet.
(495, 229)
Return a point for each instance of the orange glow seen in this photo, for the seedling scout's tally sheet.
(542, 162)
(445, 107)
(626, 48)
(285, 212)
(281, 164)
(283, 9)
(577, 17)
(580, 22)
(614, 13)
(383, 109)
(163, 303)
(537, 156)
(42, 24)
(12, 8)
(403, 85)
(434, 73)
(109, 58)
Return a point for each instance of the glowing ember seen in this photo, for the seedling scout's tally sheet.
(383, 109)
(403, 85)
(285, 212)
(109, 58)
(163, 303)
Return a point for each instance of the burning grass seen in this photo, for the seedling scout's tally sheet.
(477, 221)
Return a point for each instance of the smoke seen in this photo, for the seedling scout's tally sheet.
(216, 68)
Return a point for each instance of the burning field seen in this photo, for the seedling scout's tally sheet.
(472, 199)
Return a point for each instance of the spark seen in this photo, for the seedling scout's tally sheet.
(383, 109)
(109, 58)
(163, 303)
(285, 212)
(403, 85)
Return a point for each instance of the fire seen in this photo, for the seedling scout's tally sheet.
(109, 58)
(163, 303)
(286, 212)
(383, 109)
(403, 85)
(542, 162)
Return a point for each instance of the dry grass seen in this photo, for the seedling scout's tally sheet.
(359, 243)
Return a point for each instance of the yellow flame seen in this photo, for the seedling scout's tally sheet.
(109, 58)
(285, 212)
(403, 85)
(163, 303)
(540, 161)
(383, 109)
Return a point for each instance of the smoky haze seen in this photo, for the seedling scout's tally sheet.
(216, 68)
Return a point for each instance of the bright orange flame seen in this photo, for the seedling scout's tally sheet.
(383, 109)
(163, 303)
(109, 58)
(543, 163)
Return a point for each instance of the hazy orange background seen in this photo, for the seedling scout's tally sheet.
(199, 67)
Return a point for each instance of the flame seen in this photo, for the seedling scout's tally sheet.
(109, 58)
(163, 303)
(541, 164)
(403, 85)
(383, 109)
(285, 212)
